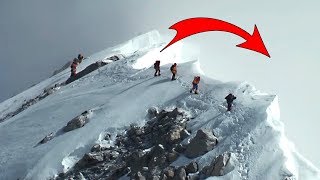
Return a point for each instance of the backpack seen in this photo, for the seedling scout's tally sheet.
(171, 68)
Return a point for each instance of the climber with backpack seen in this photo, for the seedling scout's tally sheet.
(74, 67)
(173, 70)
(156, 66)
(195, 83)
(230, 98)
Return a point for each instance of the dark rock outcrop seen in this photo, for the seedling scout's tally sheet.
(77, 122)
(47, 138)
(217, 166)
(140, 152)
(203, 142)
(180, 174)
(92, 67)
(192, 167)
(27, 103)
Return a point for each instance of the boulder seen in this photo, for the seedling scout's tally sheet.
(184, 134)
(139, 176)
(163, 177)
(91, 159)
(180, 174)
(136, 160)
(180, 148)
(107, 137)
(192, 167)
(174, 135)
(218, 166)
(203, 142)
(169, 172)
(152, 112)
(97, 148)
(157, 151)
(172, 156)
(77, 122)
(47, 138)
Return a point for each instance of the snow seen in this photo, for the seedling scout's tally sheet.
(120, 93)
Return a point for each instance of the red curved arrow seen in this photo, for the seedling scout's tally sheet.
(189, 27)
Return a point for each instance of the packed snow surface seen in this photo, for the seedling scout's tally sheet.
(120, 94)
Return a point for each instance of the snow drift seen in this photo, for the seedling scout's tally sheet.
(120, 93)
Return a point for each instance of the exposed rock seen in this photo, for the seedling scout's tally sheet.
(163, 177)
(172, 156)
(174, 135)
(114, 57)
(157, 151)
(47, 138)
(80, 176)
(169, 172)
(107, 137)
(77, 122)
(96, 148)
(289, 178)
(91, 159)
(113, 155)
(139, 152)
(152, 112)
(202, 143)
(217, 166)
(139, 176)
(92, 67)
(154, 178)
(193, 177)
(184, 134)
(180, 148)
(136, 160)
(30, 102)
(180, 174)
(145, 168)
(192, 167)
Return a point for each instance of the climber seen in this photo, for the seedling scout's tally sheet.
(74, 67)
(156, 66)
(230, 99)
(195, 83)
(80, 58)
(173, 70)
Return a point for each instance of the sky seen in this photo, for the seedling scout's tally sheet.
(39, 36)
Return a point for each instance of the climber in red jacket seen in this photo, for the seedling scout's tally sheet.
(74, 67)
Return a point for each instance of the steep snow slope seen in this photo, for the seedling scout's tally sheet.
(120, 93)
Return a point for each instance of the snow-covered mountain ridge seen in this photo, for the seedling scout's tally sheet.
(120, 94)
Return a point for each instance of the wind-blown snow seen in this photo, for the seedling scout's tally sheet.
(120, 93)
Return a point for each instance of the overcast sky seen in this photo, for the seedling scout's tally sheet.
(39, 36)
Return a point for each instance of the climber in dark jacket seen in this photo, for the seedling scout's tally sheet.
(156, 66)
(230, 99)
(80, 58)
(173, 70)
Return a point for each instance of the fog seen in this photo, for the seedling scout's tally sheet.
(39, 36)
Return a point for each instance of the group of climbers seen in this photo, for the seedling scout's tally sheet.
(74, 64)
(195, 83)
(229, 98)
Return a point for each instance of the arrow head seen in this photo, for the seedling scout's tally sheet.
(255, 43)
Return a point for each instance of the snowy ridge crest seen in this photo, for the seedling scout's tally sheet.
(120, 93)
